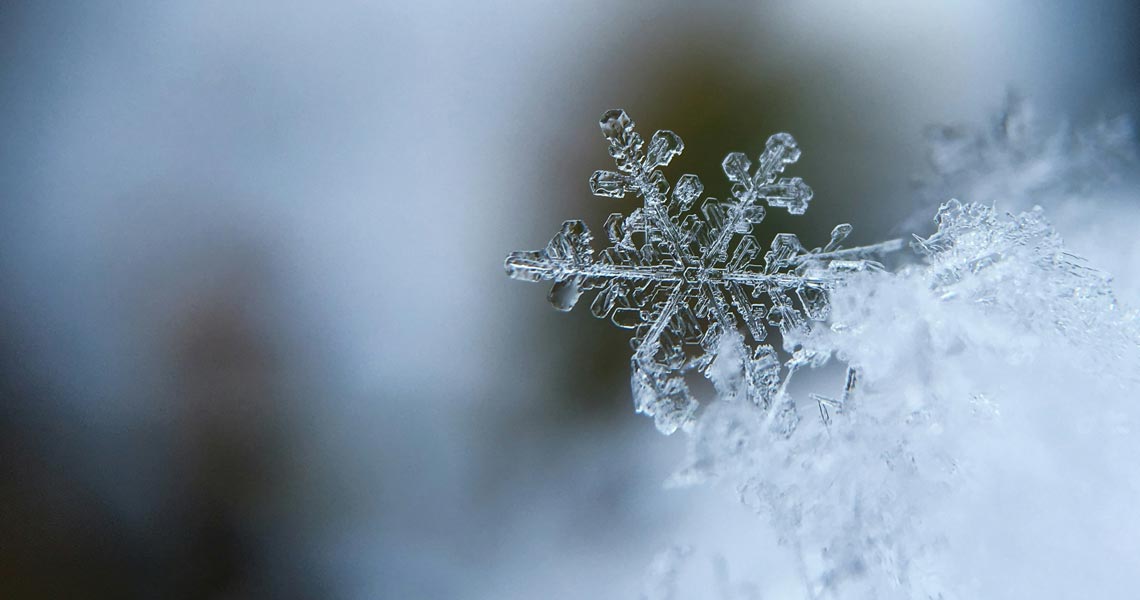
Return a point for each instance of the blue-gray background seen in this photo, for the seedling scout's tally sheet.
(256, 338)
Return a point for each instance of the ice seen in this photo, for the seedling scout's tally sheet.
(1022, 159)
(686, 280)
(982, 442)
(987, 424)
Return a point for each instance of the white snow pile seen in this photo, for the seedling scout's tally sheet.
(989, 448)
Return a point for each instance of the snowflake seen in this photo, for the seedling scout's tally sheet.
(684, 280)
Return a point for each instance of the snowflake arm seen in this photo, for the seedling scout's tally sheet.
(685, 280)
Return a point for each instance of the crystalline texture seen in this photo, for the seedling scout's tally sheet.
(682, 279)
(1022, 159)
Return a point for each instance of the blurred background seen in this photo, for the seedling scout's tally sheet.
(256, 337)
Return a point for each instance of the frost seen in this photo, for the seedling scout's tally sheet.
(1085, 176)
(1021, 160)
(1019, 265)
(661, 577)
(687, 280)
(998, 340)
(983, 442)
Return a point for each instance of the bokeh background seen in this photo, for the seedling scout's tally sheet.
(256, 337)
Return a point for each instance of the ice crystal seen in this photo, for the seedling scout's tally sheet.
(983, 368)
(1023, 158)
(1018, 263)
(687, 275)
(997, 373)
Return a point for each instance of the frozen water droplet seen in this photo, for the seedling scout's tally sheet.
(564, 294)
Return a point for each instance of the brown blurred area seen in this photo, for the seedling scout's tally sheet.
(227, 462)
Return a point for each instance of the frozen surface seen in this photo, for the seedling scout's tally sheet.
(983, 442)
(685, 279)
(985, 452)
(1085, 175)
